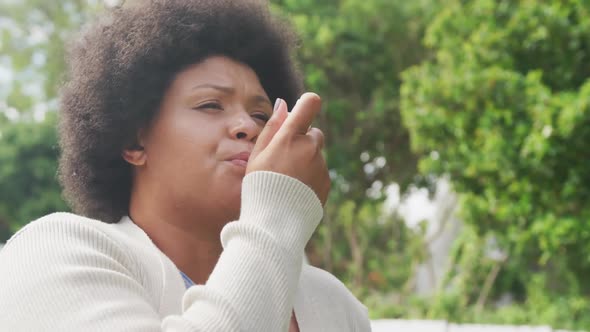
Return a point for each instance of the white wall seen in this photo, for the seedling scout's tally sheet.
(395, 325)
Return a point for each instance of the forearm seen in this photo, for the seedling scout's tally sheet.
(256, 276)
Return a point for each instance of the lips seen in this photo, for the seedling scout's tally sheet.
(240, 159)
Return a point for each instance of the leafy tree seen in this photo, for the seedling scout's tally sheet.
(27, 171)
(503, 108)
(32, 38)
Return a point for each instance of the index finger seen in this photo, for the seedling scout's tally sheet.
(271, 128)
(303, 114)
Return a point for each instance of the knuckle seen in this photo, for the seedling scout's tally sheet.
(319, 132)
(316, 132)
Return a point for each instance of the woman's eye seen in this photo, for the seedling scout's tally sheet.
(261, 116)
(211, 105)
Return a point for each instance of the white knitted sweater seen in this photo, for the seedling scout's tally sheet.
(64, 272)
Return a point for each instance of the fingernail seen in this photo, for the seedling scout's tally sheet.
(277, 104)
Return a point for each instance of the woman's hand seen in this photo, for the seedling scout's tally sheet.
(288, 145)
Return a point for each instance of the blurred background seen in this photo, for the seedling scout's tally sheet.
(457, 136)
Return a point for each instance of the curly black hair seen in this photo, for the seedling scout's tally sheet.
(120, 68)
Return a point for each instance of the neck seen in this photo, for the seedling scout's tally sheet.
(194, 253)
(194, 249)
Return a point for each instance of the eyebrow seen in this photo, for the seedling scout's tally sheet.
(226, 89)
(230, 90)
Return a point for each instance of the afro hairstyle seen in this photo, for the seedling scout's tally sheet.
(120, 67)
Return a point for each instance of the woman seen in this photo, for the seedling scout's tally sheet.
(194, 199)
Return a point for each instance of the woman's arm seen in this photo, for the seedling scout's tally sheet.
(258, 272)
(61, 275)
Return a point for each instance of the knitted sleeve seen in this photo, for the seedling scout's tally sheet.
(60, 275)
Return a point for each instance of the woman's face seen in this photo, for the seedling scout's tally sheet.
(197, 147)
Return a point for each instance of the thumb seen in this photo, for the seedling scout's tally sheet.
(275, 122)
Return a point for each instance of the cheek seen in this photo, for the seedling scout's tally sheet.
(184, 148)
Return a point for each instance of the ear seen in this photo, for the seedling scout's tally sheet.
(135, 153)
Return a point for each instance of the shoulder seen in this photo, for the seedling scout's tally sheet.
(329, 292)
(66, 246)
(68, 227)
(85, 264)
(67, 238)
(64, 222)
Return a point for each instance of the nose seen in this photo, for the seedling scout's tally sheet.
(245, 127)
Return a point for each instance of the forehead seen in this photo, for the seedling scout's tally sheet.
(219, 70)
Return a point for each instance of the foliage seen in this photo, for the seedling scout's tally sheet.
(504, 109)
(27, 170)
(32, 38)
(352, 53)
